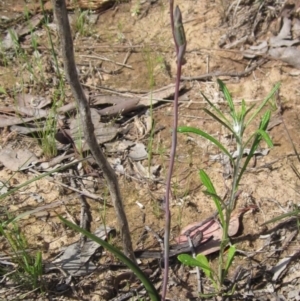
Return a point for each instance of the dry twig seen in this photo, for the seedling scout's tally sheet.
(64, 30)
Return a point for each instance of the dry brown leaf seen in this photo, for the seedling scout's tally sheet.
(32, 101)
(76, 260)
(11, 120)
(108, 99)
(120, 108)
(104, 132)
(29, 112)
(31, 105)
(138, 152)
(16, 159)
(29, 25)
(24, 130)
(212, 233)
(289, 55)
(118, 146)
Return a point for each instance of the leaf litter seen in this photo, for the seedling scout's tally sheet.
(76, 259)
(124, 139)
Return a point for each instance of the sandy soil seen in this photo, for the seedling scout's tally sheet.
(270, 183)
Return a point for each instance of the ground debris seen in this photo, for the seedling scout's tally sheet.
(75, 260)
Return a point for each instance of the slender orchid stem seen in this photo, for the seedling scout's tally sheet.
(179, 38)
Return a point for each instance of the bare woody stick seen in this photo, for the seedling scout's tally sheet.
(64, 30)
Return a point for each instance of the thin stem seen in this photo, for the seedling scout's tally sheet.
(168, 184)
(230, 208)
(236, 175)
(180, 42)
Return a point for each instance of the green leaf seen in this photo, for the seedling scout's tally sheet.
(134, 268)
(204, 262)
(248, 158)
(256, 141)
(265, 120)
(266, 137)
(230, 256)
(273, 91)
(216, 109)
(243, 109)
(38, 263)
(218, 203)
(227, 97)
(38, 259)
(2, 90)
(249, 109)
(187, 129)
(219, 120)
(212, 192)
(207, 182)
(213, 195)
(259, 134)
(241, 118)
(188, 260)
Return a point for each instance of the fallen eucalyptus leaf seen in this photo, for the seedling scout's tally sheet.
(16, 159)
(212, 232)
(104, 132)
(138, 152)
(75, 260)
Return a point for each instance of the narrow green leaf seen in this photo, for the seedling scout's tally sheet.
(266, 137)
(38, 264)
(219, 120)
(215, 196)
(187, 129)
(249, 110)
(227, 97)
(212, 192)
(218, 203)
(134, 268)
(273, 91)
(216, 109)
(38, 259)
(259, 134)
(206, 181)
(265, 120)
(243, 108)
(232, 290)
(24, 261)
(230, 256)
(257, 138)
